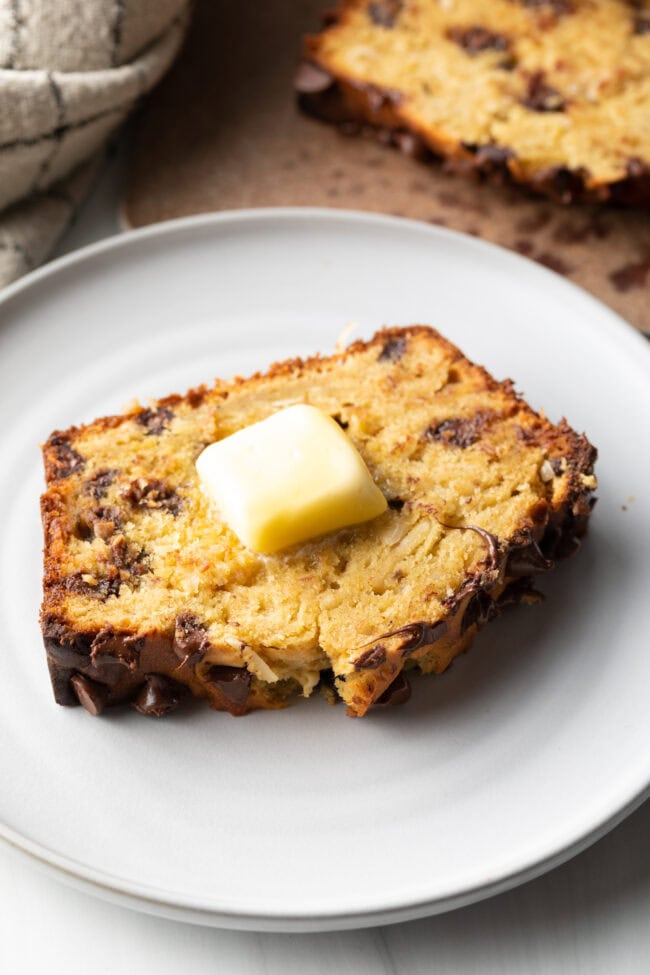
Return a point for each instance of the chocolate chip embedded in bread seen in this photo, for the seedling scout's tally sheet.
(190, 638)
(154, 493)
(393, 350)
(480, 609)
(85, 584)
(155, 421)
(63, 460)
(97, 485)
(459, 431)
(371, 659)
(396, 693)
(233, 682)
(475, 40)
(526, 560)
(158, 696)
(91, 695)
(541, 97)
(384, 13)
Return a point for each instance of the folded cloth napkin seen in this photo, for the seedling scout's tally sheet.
(70, 72)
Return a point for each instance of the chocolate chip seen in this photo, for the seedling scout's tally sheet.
(396, 503)
(63, 459)
(131, 558)
(396, 693)
(459, 431)
(104, 521)
(311, 79)
(526, 560)
(541, 97)
(393, 350)
(112, 652)
(422, 635)
(190, 638)
(233, 682)
(480, 609)
(98, 485)
(158, 696)
(474, 40)
(492, 159)
(154, 494)
(89, 586)
(384, 13)
(371, 659)
(562, 184)
(342, 423)
(91, 695)
(155, 421)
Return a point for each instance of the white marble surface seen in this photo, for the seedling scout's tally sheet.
(590, 916)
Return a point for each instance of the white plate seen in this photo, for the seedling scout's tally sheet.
(529, 748)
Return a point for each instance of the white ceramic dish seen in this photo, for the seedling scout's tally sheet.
(528, 749)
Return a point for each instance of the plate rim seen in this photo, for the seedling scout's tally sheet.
(173, 904)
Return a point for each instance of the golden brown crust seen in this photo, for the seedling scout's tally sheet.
(120, 616)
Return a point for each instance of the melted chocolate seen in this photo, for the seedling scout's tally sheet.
(91, 695)
(475, 40)
(372, 658)
(64, 459)
(233, 682)
(155, 421)
(154, 494)
(526, 560)
(396, 693)
(158, 696)
(98, 485)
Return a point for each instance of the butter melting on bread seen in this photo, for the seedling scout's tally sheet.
(147, 595)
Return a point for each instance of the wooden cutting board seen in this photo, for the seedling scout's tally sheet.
(222, 132)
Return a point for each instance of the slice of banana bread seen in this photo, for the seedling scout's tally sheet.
(147, 593)
(550, 93)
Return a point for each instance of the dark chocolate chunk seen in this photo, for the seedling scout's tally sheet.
(393, 350)
(372, 658)
(480, 609)
(475, 40)
(114, 651)
(155, 421)
(131, 558)
(526, 560)
(190, 638)
(459, 431)
(101, 588)
(91, 695)
(541, 97)
(233, 682)
(493, 159)
(154, 494)
(396, 693)
(311, 79)
(158, 696)
(421, 635)
(396, 503)
(384, 13)
(105, 520)
(98, 485)
(64, 459)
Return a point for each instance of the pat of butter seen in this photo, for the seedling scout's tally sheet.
(287, 479)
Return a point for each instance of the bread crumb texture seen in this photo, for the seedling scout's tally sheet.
(141, 574)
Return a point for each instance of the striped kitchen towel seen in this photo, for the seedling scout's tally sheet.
(70, 72)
